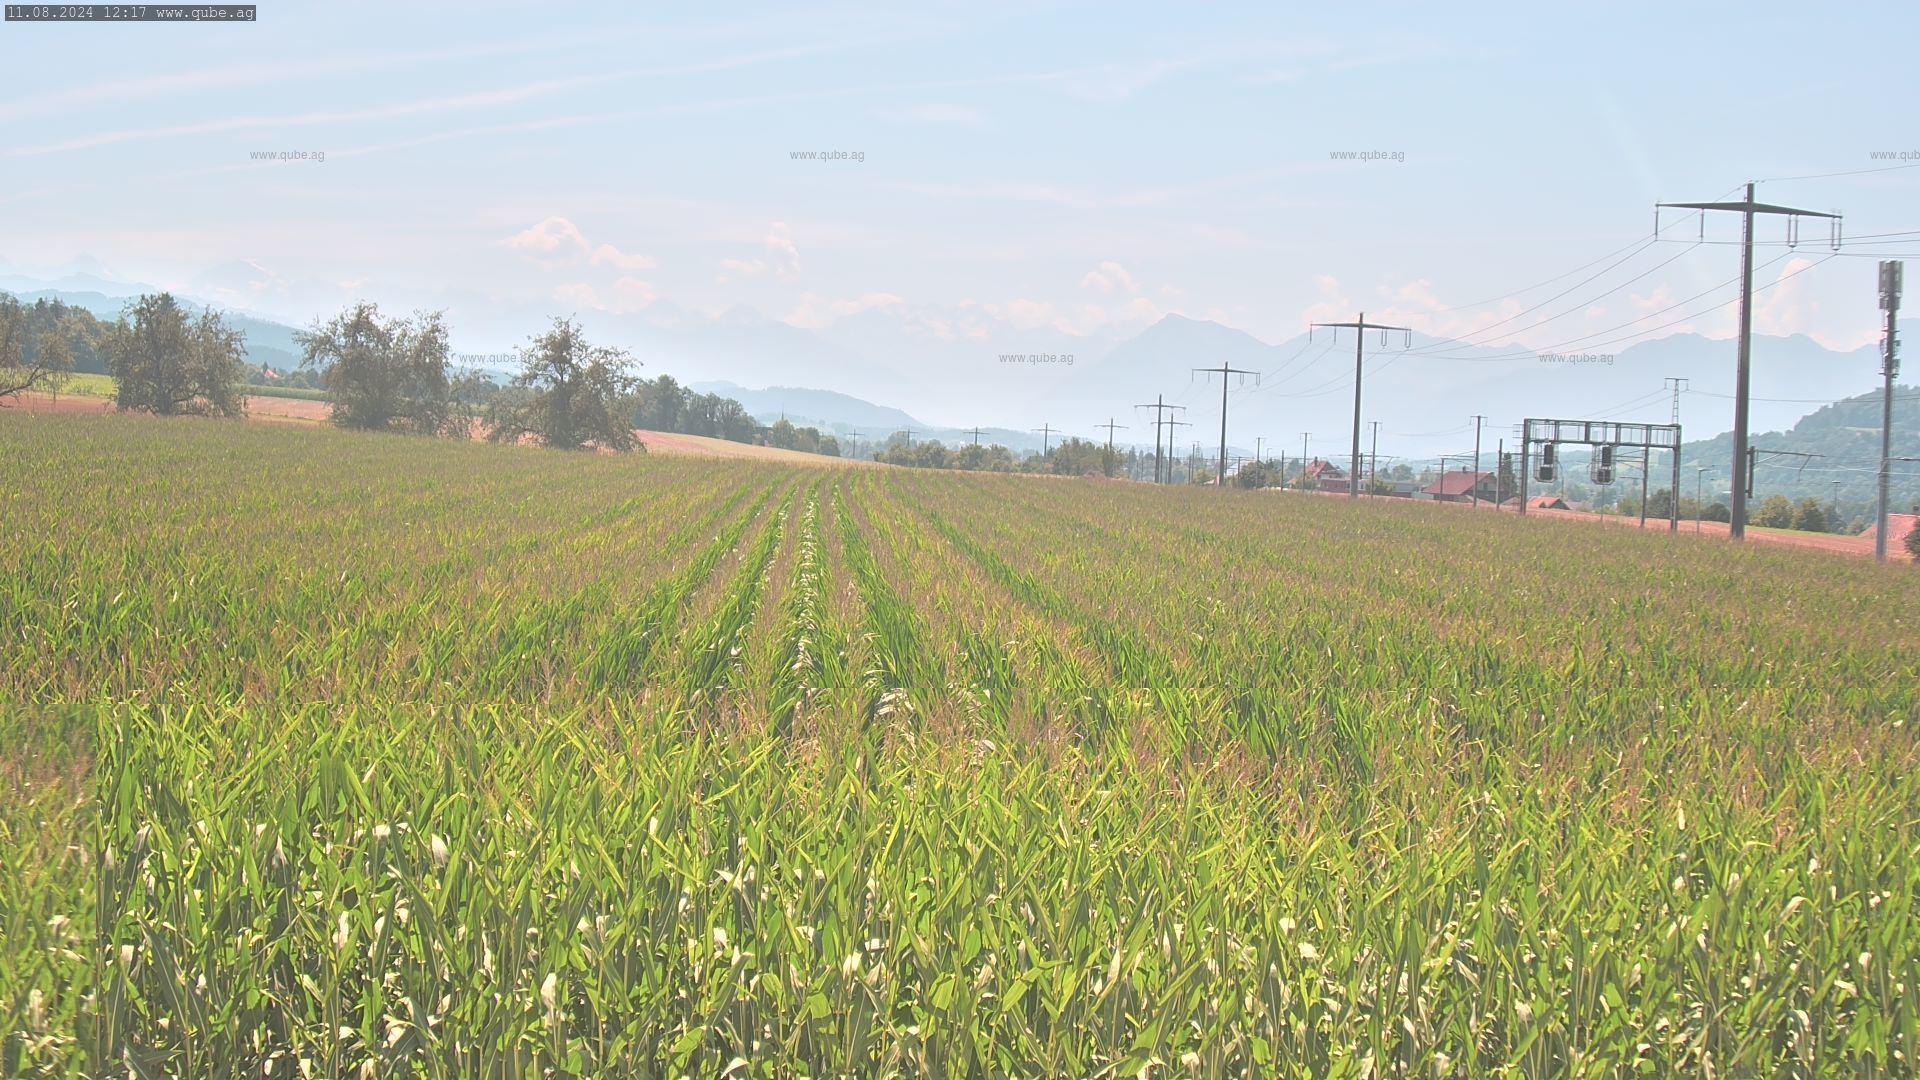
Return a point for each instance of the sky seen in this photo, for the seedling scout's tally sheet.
(1039, 177)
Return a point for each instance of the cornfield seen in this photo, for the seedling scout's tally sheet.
(333, 754)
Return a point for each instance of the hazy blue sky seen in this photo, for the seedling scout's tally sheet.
(1032, 173)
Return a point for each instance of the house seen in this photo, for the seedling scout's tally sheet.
(1459, 487)
(1547, 502)
(1326, 476)
(1898, 526)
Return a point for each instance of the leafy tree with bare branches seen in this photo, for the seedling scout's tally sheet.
(570, 394)
(383, 374)
(169, 362)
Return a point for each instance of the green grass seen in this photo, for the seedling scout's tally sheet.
(86, 384)
(353, 752)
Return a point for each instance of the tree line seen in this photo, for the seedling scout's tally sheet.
(380, 372)
(1070, 457)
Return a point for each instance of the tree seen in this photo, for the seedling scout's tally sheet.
(1258, 474)
(383, 374)
(1913, 543)
(1660, 503)
(1775, 513)
(1810, 517)
(570, 394)
(48, 366)
(169, 363)
(659, 404)
(1716, 512)
(1507, 483)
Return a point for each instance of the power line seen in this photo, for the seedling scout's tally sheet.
(1225, 370)
(1577, 307)
(1467, 338)
(1823, 176)
(1160, 408)
(1641, 244)
(1782, 279)
(1743, 375)
(1360, 326)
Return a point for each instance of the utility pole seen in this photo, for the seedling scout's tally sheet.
(1373, 455)
(854, 434)
(975, 432)
(1161, 408)
(1303, 452)
(1677, 386)
(1890, 274)
(909, 436)
(1699, 505)
(1477, 421)
(1171, 424)
(1646, 466)
(1360, 327)
(1256, 449)
(1046, 438)
(1110, 425)
(1224, 370)
(1743, 375)
(1499, 473)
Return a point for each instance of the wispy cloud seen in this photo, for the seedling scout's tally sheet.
(428, 106)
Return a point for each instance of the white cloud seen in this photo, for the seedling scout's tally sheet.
(1333, 305)
(627, 294)
(1109, 276)
(548, 237)
(782, 253)
(865, 301)
(608, 255)
(557, 240)
(735, 269)
(1785, 309)
(781, 258)
(1025, 314)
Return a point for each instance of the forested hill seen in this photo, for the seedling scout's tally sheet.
(1845, 435)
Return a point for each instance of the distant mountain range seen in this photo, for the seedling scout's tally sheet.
(939, 372)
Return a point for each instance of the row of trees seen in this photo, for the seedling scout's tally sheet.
(1071, 457)
(393, 374)
(381, 373)
(163, 358)
(39, 344)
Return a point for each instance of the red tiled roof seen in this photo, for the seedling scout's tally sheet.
(1898, 526)
(1456, 483)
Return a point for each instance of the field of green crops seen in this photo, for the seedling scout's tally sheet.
(326, 754)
